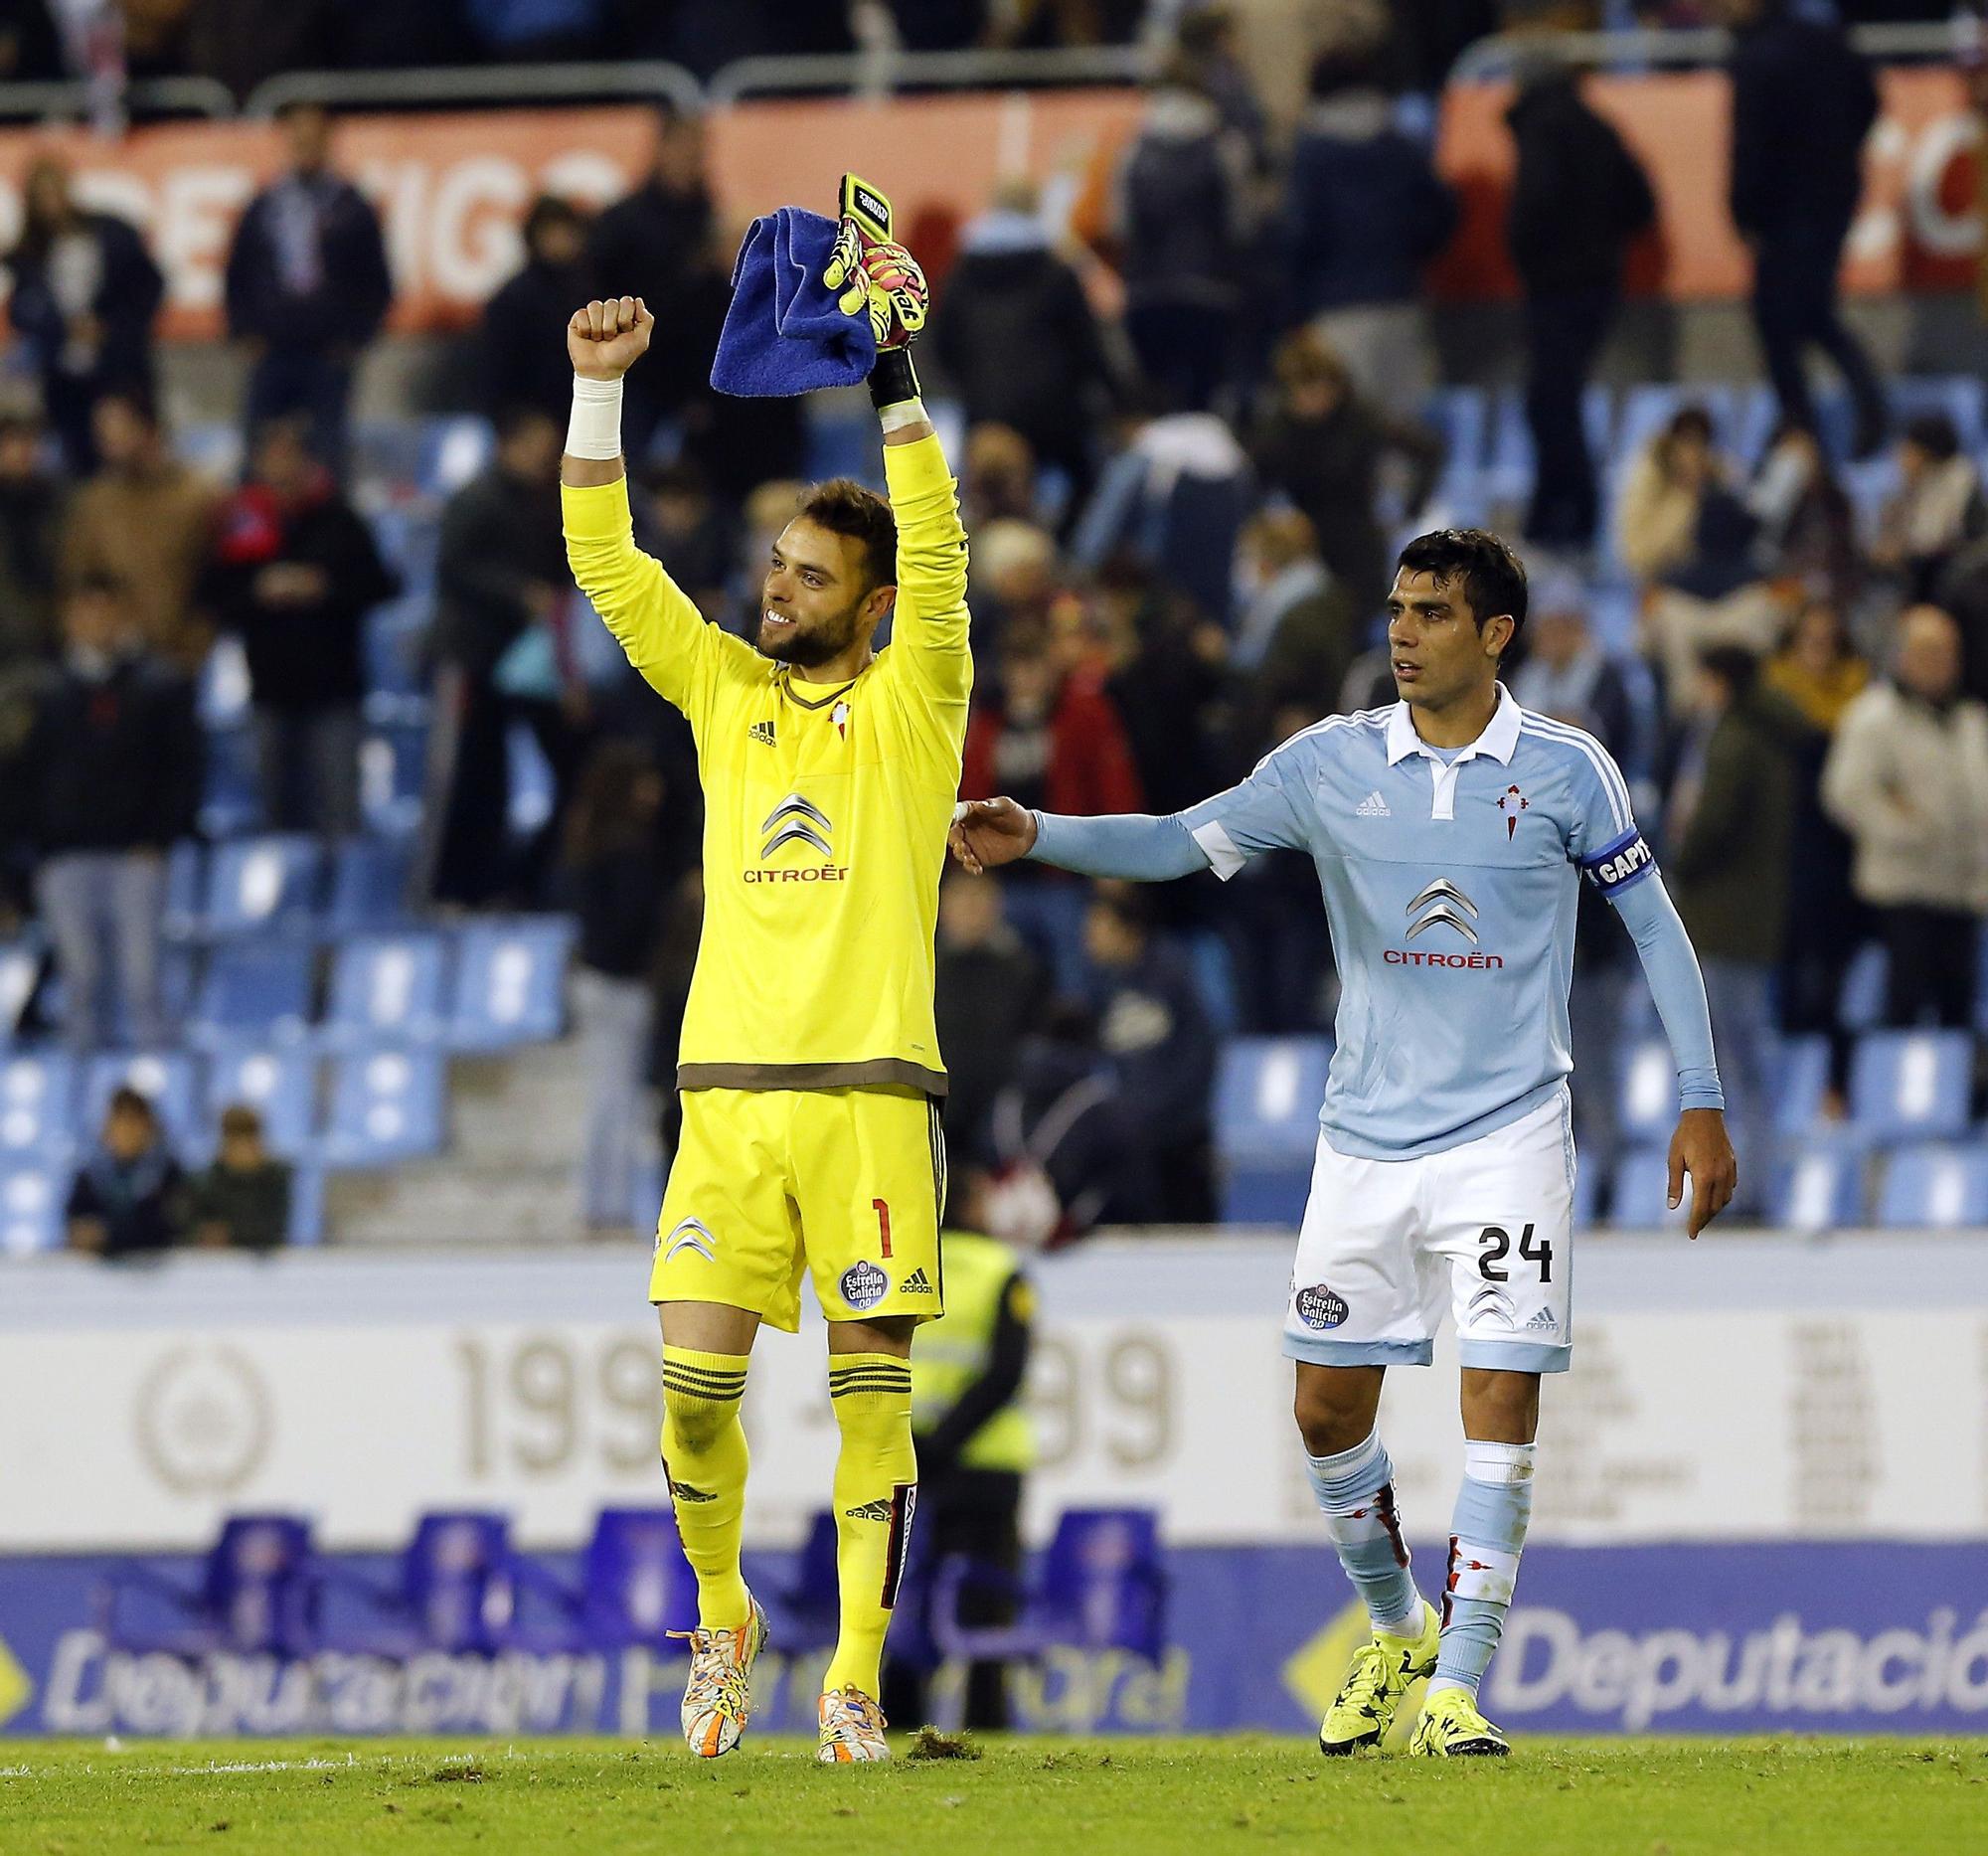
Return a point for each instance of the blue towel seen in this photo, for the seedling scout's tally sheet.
(784, 333)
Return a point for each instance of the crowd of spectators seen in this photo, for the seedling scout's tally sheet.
(1190, 446)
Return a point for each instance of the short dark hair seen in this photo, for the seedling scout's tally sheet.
(127, 1100)
(842, 506)
(1733, 665)
(239, 1122)
(548, 210)
(1490, 574)
(1934, 435)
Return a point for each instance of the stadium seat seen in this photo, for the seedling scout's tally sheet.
(1910, 1085)
(1934, 1185)
(186, 883)
(1642, 1184)
(1960, 396)
(386, 989)
(36, 1090)
(255, 1597)
(166, 1079)
(261, 987)
(306, 1205)
(1049, 917)
(230, 801)
(385, 1105)
(369, 877)
(510, 982)
(33, 1200)
(1801, 1078)
(279, 1085)
(635, 1588)
(20, 973)
(1267, 1093)
(453, 449)
(455, 1593)
(1102, 1587)
(1215, 979)
(223, 689)
(392, 778)
(1647, 1106)
(1821, 1188)
(257, 884)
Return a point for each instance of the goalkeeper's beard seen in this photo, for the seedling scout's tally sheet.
(809, 646)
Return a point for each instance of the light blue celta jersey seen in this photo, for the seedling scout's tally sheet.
(1450, 884)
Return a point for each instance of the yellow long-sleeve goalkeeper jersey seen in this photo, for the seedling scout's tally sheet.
(826, 807)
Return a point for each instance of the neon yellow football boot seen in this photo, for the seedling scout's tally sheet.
(1380, 1675)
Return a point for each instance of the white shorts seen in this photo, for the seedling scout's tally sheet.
(1489, 1224)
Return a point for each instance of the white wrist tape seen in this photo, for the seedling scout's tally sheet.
(905, 412)
(594, 430)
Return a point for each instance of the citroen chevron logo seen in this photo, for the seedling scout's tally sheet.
(804, 824)
(691, 1235)
(1442, 902)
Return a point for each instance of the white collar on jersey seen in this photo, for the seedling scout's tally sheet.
(1499, 739)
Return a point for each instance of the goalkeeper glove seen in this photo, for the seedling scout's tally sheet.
(874, 274)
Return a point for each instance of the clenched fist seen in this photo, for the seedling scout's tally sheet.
(604, 340)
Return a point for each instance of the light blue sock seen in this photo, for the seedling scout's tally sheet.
(1356, 1493)
(1486, 1537)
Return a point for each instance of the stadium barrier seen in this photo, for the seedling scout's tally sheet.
(1760, 1503)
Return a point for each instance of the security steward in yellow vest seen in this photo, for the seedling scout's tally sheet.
(975, 1443)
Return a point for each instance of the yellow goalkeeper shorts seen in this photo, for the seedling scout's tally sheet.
(847, 1183)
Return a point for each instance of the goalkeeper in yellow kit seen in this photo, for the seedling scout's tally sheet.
(809, 1064)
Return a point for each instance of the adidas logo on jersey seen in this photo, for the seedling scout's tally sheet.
(1373, 806)
(1543, 1324)
(917, 1283)
(870, 1511)
(763, 733)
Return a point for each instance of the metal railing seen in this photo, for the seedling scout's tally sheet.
(646, 80)
(149, 96)
(1502, 53)
(882, 71)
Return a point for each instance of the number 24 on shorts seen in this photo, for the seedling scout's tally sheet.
(1497, 1243)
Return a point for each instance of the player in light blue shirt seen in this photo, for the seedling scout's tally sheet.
(1450, 830)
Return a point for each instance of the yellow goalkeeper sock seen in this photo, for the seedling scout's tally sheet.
(876, 1491)
(705, 1459)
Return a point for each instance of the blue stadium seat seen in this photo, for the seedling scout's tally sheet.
(1801, 1078)
(387, 989)
(255, 986)
(259, 884)
(307, 1205)
(186, 884)
(393, 642)
(1215, 979)
(1648, 1105)
(453, 449)
(1910, 1085)
(385, 1105)
(166, 1079)
(33, 1200)
(231, 798)
(510, 982)
(223, 688)
(1820, 1189)
(213, 448)
(1936, 1185)
(1861, 1003)
(1461, 415)
(392, 776)
(1587, 1194)
(37, 1090)
(1642, 1183)
(1266, 1100)
(1647, 408)
(20, 970)
(279, 1085)
(369, 884)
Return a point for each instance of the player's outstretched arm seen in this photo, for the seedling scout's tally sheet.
(1134, 846)
(654, 620)
(1700, 1149)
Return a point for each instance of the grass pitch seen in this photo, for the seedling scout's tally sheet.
(1076, 1799)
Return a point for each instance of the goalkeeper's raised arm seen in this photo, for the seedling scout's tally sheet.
(661, 630)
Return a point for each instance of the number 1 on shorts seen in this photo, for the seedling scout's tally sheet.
(883, 1212)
